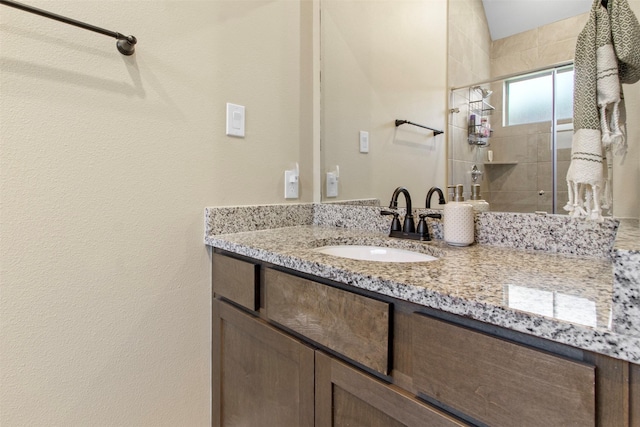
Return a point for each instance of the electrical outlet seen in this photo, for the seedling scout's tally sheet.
(332, 185)
(291, 184)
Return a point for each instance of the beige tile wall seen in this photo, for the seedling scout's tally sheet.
(469, 61)
(547, 45)
(525, 185)
(469, 43)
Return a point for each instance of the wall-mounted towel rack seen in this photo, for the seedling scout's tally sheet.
(402, 122)
(125, 44)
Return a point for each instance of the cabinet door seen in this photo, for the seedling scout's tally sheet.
(346, 396)
(261, 377)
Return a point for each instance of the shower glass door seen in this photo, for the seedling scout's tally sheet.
(538, 117)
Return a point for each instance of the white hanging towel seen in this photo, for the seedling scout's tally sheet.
(607, 54)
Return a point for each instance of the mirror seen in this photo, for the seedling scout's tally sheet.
(385, 60)
(512, 151)
(382, 61)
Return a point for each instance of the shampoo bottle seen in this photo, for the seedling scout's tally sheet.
(479, 205)
(458, 219)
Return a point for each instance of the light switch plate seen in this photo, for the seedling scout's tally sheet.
(235, 120)
(364, 141)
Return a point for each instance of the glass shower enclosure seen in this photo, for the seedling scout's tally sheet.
(512, 136)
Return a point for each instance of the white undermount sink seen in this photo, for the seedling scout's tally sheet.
(375, 253)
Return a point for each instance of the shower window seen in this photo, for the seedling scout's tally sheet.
(529, 98)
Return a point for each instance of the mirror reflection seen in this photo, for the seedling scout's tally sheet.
(383, 61)
(528, 165)
(518, 141)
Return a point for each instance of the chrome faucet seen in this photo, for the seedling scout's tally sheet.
(432, 190)
(409, 226)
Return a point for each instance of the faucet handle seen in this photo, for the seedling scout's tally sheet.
(423, 228)
(395, 223)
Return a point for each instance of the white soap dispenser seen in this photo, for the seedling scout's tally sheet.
(458, 219)
(479, 205)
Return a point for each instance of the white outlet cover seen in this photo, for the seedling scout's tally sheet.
(332, 185)
(235, 120)
(291, 184)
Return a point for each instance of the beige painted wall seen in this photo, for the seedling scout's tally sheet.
(382, 61)
(626, 171)
(106, 164)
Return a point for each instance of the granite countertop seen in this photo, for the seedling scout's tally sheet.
(628, 238)
(562, 298)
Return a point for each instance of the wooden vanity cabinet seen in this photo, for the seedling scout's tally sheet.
(236, 280)
(352, 325)
(346, 396)
(260, 376)
(498, 382)
(292, 351)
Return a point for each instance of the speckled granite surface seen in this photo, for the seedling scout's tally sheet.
(234, 219)
(563, 298)
(629, 237)
(626, 283)
(550, 233)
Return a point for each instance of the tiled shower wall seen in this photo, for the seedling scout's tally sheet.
(520, 177)
(513, 187)
(469, 61)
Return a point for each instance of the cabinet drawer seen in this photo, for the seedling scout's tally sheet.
(236, 280)
(498, 382)
(353, 325)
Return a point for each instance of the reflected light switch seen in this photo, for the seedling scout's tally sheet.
(364, 141)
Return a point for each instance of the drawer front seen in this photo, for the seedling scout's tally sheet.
(355, 326)
(498, 382)
(236, 280)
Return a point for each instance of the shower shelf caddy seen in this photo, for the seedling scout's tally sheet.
(478, 133)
